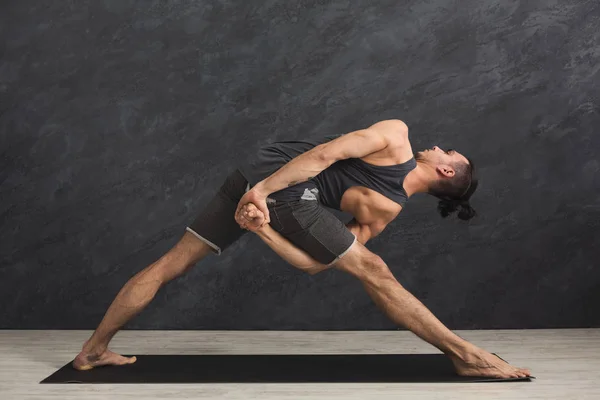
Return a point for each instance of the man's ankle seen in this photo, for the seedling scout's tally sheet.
(460, 349)
(92, 349)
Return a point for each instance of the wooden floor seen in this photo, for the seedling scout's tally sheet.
(566, 363)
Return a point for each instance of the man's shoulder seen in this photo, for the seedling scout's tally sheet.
(395, 130)
(391, 125)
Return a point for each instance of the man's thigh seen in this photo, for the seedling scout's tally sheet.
(363, 264)
(215, 224)
(314, 229)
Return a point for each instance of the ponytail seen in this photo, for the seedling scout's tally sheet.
(448, 206)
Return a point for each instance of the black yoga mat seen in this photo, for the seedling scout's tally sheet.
(273, 369)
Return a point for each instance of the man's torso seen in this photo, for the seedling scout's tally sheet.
(370, 188)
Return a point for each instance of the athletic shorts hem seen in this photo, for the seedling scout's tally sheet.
(343, 254)
(214, 247)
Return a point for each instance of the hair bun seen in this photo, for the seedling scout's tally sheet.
(447, 207)
(467, 212)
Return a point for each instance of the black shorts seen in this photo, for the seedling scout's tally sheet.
(305, 223)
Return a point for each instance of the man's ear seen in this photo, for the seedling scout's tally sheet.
(445, 170)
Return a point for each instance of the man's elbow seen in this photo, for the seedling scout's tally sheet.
(324, 155)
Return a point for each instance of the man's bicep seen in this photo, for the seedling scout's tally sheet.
(362, 142)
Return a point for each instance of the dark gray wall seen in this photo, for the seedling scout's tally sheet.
(119, 120)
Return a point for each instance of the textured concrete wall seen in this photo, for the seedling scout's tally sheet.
(119, 120)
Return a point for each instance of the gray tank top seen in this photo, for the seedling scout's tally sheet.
(329, 186)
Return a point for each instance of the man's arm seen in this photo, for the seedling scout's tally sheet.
(298, 257)
(355, 144)
(287, 250)
(311, 163)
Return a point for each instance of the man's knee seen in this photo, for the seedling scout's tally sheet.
(184, 255)
(363, 264)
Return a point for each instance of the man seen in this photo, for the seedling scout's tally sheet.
(369, 173)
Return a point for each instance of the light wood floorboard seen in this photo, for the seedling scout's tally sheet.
(566, 363)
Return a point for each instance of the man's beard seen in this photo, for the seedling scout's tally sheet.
(418, 155)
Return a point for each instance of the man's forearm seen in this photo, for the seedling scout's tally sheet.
(298, 257)
(299, 169)
(405, 309)
(287, 250)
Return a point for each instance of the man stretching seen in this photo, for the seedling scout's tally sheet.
(281, 196)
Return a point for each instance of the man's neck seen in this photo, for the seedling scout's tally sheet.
(419, 179)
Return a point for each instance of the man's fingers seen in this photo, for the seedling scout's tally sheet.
(247, 214)
(248, 217)
(251, 209)
(241, 220)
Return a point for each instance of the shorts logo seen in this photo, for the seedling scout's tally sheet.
(310, 194)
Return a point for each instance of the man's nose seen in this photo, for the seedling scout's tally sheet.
(436, 148)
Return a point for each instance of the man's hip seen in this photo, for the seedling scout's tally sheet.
(304, 222)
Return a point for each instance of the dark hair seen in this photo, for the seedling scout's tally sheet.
(454, 193)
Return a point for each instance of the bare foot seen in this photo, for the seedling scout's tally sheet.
(87, 360)
(484, 364)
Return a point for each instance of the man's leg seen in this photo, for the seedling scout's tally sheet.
(213, 230)
(405, 309)
(135, 296)
(315, 230)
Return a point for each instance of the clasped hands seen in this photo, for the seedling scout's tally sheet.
(252, 212)
(251, 218)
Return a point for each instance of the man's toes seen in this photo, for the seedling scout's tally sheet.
(522, 373)
(127, 360)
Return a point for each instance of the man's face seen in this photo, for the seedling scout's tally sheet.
(439, 158)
